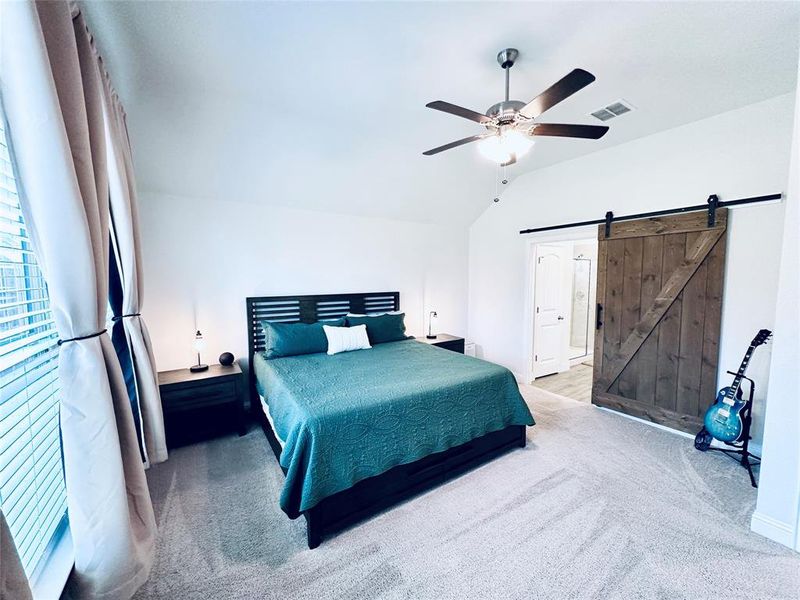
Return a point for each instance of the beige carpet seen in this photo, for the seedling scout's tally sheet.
(596, 506)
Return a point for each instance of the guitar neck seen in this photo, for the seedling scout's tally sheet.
(737, 380)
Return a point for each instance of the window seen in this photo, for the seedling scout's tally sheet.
(32, 490)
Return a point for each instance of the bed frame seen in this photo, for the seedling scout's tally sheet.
(371, 495)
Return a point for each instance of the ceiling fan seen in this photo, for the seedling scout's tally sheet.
(510, 124)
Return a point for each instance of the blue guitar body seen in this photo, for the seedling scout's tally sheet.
(723, 421)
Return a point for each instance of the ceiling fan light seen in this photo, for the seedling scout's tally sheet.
(517, 143)
(494, 149)
(500, 148)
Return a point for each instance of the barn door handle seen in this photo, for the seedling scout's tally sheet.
(599, 316)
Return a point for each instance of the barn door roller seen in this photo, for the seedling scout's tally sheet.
(713, 203)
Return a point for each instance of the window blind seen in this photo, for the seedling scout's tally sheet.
(32, 490)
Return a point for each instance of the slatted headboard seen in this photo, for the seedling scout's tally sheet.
(307, 309)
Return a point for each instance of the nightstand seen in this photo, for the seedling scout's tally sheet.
(446, 341)
(199, 405)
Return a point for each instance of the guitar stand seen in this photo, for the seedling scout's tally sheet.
(739, 451)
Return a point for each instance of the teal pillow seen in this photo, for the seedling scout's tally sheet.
(382, 328)
(291, 339)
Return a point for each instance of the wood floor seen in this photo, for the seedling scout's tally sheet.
(575, 383)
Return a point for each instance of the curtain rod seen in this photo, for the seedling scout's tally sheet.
(713, 202)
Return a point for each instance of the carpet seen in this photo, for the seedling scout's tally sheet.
(596, 506)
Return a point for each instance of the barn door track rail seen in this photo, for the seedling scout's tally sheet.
(711, 206)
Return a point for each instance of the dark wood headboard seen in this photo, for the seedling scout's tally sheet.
(306, 309)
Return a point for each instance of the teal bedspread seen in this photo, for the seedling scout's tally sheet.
(354, 415)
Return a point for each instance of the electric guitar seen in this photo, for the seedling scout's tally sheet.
(723, 419)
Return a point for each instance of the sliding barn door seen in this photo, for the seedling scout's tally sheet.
(659, 294)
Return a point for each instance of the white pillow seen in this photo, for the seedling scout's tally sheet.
(345, 339)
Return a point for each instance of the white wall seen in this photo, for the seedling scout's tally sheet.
(740, 153)
(778, 510)
(203, 257)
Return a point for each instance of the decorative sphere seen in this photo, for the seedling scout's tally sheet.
(226, 359)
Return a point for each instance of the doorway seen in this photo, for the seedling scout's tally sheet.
(584, 284)
(564, 277)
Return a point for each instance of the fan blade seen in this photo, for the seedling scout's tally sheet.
(591, 132)
(511, 161)
(456, 144)
(561, 90)
(459, 111)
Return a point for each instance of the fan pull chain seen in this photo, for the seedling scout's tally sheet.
(501, 177)
(497, 184)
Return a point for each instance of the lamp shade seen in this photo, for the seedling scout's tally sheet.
(499, 148)
(199, 342)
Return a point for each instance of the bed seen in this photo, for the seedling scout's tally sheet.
(359, 431)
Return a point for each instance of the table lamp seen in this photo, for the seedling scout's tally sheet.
(198, 346)
(431, 317)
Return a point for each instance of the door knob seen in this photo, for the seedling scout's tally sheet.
(560, 318)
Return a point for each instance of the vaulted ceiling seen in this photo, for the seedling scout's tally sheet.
(321, 106)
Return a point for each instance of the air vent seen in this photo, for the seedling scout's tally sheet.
(615, 109)
(603, 114)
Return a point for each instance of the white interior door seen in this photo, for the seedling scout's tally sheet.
(551, 303)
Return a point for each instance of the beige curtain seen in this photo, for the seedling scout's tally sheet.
(13, 582)
(125, 220)
(52, 93)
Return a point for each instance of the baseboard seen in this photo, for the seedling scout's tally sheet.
(646, 422)
(519, 377)
(778, 531)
